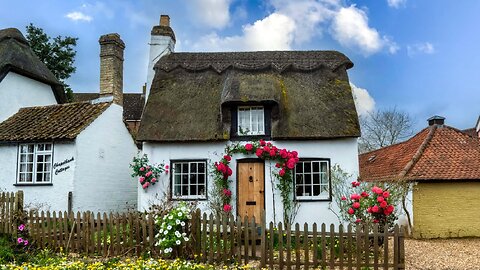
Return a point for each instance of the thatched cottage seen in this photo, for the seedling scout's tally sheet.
(200, 102)
(64, 156)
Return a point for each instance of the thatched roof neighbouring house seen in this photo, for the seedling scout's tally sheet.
(191, 95)
(438, 152)
(55, 122)
(17, 56)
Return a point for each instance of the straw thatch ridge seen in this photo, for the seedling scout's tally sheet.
(192, 95)
(17, 56)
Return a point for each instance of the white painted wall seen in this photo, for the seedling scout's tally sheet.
(341, 151)
(17, 91)
(102, 181)
(159, 46)
(53, 197)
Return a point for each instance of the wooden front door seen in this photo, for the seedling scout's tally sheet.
(251, 189)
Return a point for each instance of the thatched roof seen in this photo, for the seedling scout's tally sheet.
(54, 122)
(133, 103)
(191, 95)
(17, 56)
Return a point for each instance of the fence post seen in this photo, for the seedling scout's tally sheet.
(17, 211)
(401, 249)
(263, 239)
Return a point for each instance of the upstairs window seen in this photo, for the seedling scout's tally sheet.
(35, 163)
(251, 121)
(312, 180)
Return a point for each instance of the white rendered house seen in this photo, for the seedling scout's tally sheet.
(200, 102)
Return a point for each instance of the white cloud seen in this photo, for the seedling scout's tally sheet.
(293, 23)
(363, 101)
(396, 3)
(274, 32)
(212, 13)
(350, 28)
(425, 47)
(78, 16)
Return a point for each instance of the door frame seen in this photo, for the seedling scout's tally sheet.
(249, 160)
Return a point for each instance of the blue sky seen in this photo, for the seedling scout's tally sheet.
(420, 56)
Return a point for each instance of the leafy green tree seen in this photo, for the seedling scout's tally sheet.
(57, 53)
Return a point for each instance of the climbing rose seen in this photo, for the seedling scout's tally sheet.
(351, 211)
(358, 220)
(283, 153)
(364, 194)
(248, 147)
(278, 165)
(141, 179)
(291, 163)
(262, 142)
(390, 208)
(272, 153)
(294, 154)
(154, 180)
(380, 199)
(375, 209)
(356, 205)
(259, 152)
(227, 208)
(148, 173)
(355, 196)
(227, 192)
(229, 171)
(377, 190)
(281, 172)
(344, 198)
(266, 149)
(142, 169)
(355, 184)
(227, 157)
(167, 167)
(386, 194)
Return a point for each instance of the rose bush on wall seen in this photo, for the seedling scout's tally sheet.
(147, 173)
(285, 162)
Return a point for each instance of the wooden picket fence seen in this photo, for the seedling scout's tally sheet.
(11, 206)
(224, 239)
(99, 234)
(214, 239)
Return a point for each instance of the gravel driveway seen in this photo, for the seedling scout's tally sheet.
(437, 254)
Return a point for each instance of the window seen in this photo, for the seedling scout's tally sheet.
(35, 163)
(189, 180)
(251, 120)
(312, 180)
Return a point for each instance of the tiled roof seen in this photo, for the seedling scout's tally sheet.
(132, 103)
(55, 122)
(435, 153)
(471, 131)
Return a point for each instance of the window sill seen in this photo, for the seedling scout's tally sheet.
(32, 184)
(188, 199)
(250, 137)
(313, 200)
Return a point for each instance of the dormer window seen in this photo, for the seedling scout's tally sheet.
(251, 121)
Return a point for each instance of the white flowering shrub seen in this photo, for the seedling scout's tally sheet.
(172, 228)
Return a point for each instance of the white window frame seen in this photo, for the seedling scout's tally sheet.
(256, 122)
(189, 174)
(325, 175)
(36, 153)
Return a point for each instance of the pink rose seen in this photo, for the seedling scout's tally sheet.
(142, 169)
(281, 172)
(141, 179)
(351, 211)
(148, 174)
(377, 190)
(390, 208)
(227, 157)
(383, 204)
(167, 167)
(291, 163)
(283, 153)
(166, 171)
(358, 220)
(262, 143)
(227, 208)
(229, 171)
(259, 152)
(355, 184)
(375, 209)
(375, 221)
(221, 167)
(145, 185)
(227, 192)
(248, 147)
(154, 180)
(266, 149)
(386, 194)
(272, 153)
(344, 198)
(364, 194)
(356, 205)
(369, 209)
(148, 167)
(278, 165)
(380, 199)
(355, 196)
(294, 154)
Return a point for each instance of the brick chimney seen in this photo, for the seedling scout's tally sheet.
(162, 42)
(436, 120)
(111, 67)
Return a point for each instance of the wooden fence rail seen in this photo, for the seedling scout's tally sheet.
(214, 239)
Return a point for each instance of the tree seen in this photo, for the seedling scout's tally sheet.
(57, 53)
(384, 127)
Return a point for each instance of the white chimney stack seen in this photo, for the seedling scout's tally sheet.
(162, 43)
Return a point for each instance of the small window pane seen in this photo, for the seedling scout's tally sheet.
(193, 190)
(316, 178)
(201, 167)
(201, 178)
(177, 168)
(178, 178)
(184, 167)
(316, 166)
(193, 179)
(185, 179)
(308, 179)
(316, 190)
(299, 167)
(193, 167)
(307, 166)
